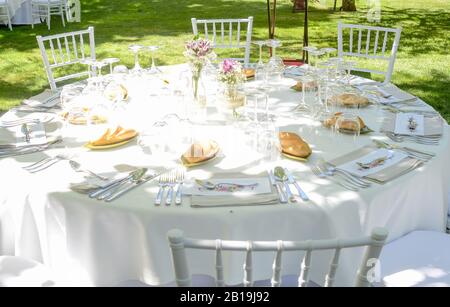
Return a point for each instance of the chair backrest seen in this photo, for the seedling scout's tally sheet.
(178, 244)
(374, 43)
(66, 49)
(226, 33)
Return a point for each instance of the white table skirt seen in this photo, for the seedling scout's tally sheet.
(104, 243)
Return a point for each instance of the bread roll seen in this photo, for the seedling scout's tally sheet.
(294, 145)
(199, 152)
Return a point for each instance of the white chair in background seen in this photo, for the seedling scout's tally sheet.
(226, 33)
(372, 43)
(66, 49)
(4, 13)
(44, 9)
(179, 244)
(73, 11)
(419, 259)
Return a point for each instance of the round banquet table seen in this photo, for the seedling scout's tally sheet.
(106, 243)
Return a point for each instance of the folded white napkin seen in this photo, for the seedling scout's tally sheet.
(37, 135)
(431, 125)
(393, 157)
(47, 99)
(402, 123)
(230, 201)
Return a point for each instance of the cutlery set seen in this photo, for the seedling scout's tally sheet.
(12, 150)
(119, 187)
(281, 179)
(411, 152)
(173, 182)
(323, 169)
(423, 140)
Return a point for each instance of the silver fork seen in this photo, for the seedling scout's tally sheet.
(320, 174)
(180, 179)
(44, 164)
(432, 140)
(171, 184)
(163, 179)
(331, 170)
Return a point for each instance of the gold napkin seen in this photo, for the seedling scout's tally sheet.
(249, 73)
(113, 137)
(294, 145)
(200, 152)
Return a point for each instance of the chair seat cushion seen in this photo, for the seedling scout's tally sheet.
(20, 272)
(419, 259)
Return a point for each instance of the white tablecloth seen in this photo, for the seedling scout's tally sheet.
(104, 243)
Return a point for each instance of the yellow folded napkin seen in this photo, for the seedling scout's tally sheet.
(200, 152)
(113, 137)
(249, 73)
(294, 145)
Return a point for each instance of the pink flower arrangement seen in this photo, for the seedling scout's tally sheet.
(230, 72)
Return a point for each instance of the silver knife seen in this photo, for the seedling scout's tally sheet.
(138, 175)
(130, 187)
(292, 180)
(281, 195)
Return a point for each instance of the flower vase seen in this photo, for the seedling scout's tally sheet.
(198, 87)
(231, 100)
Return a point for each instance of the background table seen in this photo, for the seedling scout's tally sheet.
(104, 243)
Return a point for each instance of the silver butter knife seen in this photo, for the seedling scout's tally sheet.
(277, 185)
(132, 186)
(300, 191)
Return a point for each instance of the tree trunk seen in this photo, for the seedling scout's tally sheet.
(348, 5)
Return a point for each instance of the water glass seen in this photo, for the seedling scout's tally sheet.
(348, 123)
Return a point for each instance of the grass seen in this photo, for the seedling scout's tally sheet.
(422, 66)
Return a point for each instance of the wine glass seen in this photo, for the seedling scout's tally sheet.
(275, 67)
(314, 58)
(135, 49)
(260, 71)
(348, 123)
(89, 63)
(347, 67)
(308, 83)
(110, 62)
(328, 51)
(153, 69)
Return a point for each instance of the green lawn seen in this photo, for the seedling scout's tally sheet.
(422, 66)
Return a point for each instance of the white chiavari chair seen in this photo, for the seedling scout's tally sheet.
(226, 33)
(419, 259)
(375, 44)
(73, 11)
(178, 244)
(5, 14)
(44, 9)
(65, 50)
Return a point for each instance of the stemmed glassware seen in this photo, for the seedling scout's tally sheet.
(275, 67)
(260, 69)
(348, 123)
(153, 69)
(89, 63)
(347, 67)
(110, 62)
(135, 49)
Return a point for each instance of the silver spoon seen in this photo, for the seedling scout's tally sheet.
(280, 175)
(77, 167)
